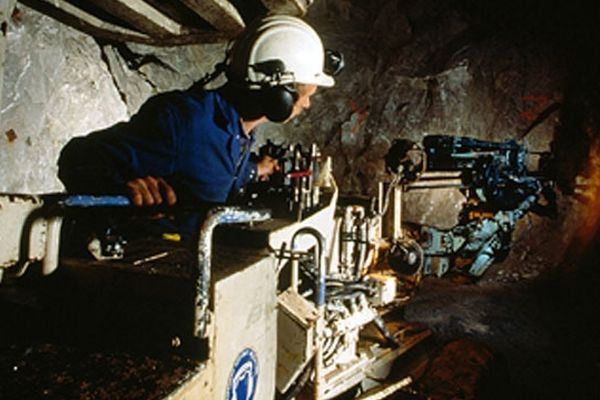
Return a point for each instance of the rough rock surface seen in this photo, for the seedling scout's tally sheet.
(6, 7)
(60, 83)
(534, 312)
(54, 88)
(416, 69)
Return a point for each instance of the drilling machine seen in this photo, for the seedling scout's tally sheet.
(498, 187)
(288, 294)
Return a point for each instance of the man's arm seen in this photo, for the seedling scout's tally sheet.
(128, 158)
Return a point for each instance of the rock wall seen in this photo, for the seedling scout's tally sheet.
(417, 68)
(6, 8)
(60, 83)
(55, 86)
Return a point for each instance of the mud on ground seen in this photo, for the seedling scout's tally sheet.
(536, 313)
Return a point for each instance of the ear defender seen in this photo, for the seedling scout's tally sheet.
(278, 102)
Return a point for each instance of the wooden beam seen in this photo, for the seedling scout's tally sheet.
(142, 16)
(219, 13)
(90, 24)
(177, 11)
(82, 20)
(290, 7)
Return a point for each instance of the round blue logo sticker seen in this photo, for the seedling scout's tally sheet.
(244, 377)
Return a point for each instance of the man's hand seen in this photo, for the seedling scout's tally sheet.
(150, 191)
(266, 167)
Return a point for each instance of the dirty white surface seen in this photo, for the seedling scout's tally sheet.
(54, 88)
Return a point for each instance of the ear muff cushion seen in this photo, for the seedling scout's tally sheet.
(278, 102)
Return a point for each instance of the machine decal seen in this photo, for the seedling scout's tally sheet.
(244, 377)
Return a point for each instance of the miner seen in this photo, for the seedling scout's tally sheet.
(193, 146)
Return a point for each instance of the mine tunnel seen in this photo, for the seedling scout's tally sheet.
(427, 227)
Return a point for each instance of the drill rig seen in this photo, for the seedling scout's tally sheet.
(340, 327)
(287, 294)
(498, 187)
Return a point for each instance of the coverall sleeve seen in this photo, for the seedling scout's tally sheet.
(104, 161)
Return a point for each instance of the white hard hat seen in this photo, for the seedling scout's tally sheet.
(278, 50)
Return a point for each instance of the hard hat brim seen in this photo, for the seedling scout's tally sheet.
(324, 80)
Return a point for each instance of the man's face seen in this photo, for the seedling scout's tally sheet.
(303, 101)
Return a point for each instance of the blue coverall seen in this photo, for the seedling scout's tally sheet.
(193, 139)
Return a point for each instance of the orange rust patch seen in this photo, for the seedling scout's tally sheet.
(11, 135)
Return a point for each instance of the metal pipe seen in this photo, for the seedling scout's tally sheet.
(320, 241)
(386, 391)
(86, 201)
(380, 197)
(314, 191)
(454, 183)
(295, 276)
(361, 243)
(346, 236)
(50, 262)
(217, 216)
(320, 302)
(397, 221)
